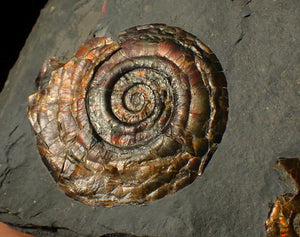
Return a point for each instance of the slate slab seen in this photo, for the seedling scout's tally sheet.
(257, 43)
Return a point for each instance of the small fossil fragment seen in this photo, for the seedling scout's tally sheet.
(284, 216)
(130, 121)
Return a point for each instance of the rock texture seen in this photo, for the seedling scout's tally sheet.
(257, 43)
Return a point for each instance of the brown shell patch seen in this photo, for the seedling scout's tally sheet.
(284, 216)
(130, 121)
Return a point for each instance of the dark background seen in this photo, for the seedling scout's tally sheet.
(17, 20)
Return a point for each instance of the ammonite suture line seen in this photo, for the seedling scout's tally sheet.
(130, 121)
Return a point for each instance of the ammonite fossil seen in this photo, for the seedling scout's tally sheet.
(284, 216)
(130, 121)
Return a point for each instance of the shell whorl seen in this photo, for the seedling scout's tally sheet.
(129, 122)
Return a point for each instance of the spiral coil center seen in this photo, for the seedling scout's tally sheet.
(133, 97)
(136, 101)
(139, 105)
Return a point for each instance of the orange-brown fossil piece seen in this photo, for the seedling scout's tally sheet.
(284, 216)
(130, 121)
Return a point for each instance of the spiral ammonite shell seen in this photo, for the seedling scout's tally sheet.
(130, 121)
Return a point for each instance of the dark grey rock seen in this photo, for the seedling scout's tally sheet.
(257, 43)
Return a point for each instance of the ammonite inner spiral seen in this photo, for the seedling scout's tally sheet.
(130, 121)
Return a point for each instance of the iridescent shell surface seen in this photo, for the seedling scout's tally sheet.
(284, 216)
(130, 121)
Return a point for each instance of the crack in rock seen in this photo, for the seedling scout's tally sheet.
(4, 175)
(31, 226)
(117, 234)
(10, 147)
(246, 13)
(13, 130)
(43, 229)
(7, 170)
